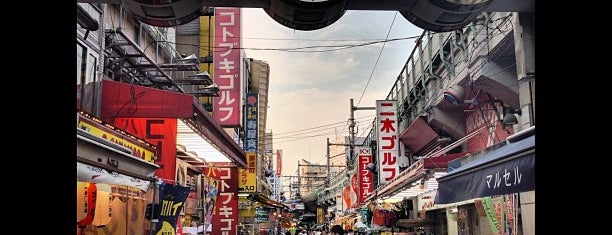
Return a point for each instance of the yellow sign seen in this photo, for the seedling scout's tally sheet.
(247, 181)
(96, 129)
(320, 215)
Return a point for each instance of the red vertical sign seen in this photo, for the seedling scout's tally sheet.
(160, 132)
(225, 217)
(365, 176)
(227, 65)
(279, 162)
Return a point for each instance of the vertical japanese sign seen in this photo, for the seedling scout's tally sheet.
(365, 176)
(172, 201)
(225, 217)
(252, 124)
(247, 179)
(279, 162)
(227, 64)
(160, 132)
(387, 142)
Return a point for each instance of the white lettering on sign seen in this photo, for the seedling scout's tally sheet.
(388, 148)
(226, 211)
(507, 178)
(365, 181)
(227, 64)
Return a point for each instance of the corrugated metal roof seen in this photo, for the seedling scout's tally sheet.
(414, 189)
(193, 142)
(191, 28)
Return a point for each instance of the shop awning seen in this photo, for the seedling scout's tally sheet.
(418, 135)
(101, 161)
(267, 201)
(508, 169)
(413, 222)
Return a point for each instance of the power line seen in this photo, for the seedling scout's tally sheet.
(314, 40)
(377, 59)
(311, 129)
(297, 138)
(298, 49)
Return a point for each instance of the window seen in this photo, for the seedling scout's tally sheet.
(86, 79)
(80, 63)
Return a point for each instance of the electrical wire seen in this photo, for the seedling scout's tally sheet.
(377, 59)
(299, 138)
(300, 49)
(310, 130)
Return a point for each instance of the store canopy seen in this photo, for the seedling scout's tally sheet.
(101, 161)
(508, 169)
(268, 201)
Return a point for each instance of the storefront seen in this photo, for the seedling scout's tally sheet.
(493, 189)
(113, 179)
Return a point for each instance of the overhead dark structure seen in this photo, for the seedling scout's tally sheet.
(86, 21)
(432, 15)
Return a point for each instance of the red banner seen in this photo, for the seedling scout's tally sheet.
(160, 132)
(225, 217)
(126, 100)
(346, 195)
(279, 162)
(227, 64)
(365, 176)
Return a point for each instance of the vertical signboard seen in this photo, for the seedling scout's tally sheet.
(247, 180)
(387, 141)
(251, 131)
(279, 162)
(225, 217)
(365, 176)
(160, 132)
(346, 199)
(227, 64)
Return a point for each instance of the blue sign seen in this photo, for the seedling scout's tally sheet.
(252, 124)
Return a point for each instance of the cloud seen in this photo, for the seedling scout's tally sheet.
(310, 90)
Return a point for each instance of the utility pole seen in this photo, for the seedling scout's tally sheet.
(299, 181)
(352, 131)
(352, 141)
(328, 168)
